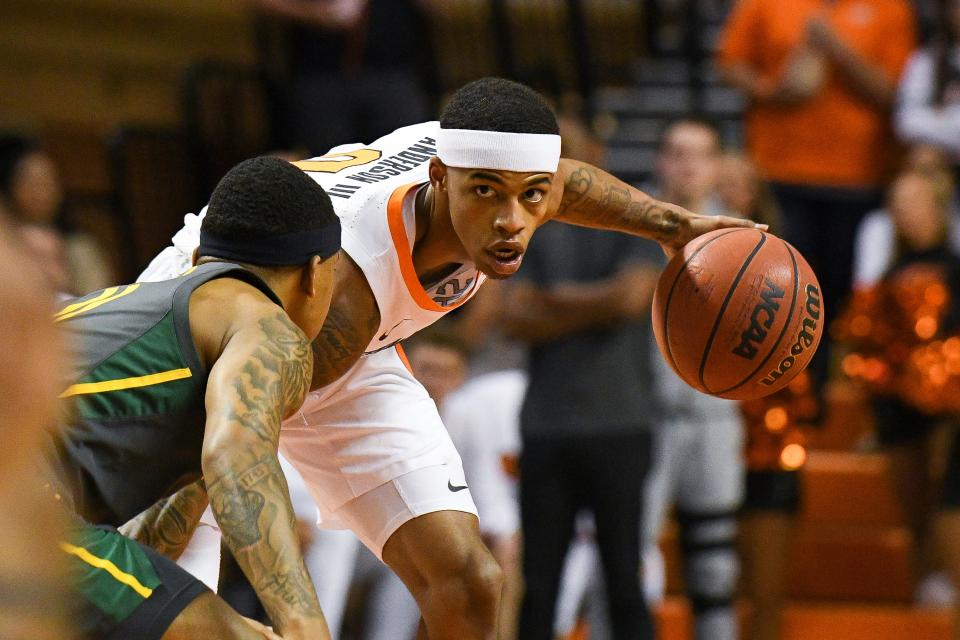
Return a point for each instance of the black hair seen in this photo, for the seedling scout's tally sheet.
(943, 44)
(497, 104)
(13, 149)
(266, 196)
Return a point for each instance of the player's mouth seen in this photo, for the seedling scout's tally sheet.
(505, 257)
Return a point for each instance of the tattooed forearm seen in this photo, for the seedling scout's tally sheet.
(169, 524)
(246, 403)
(594, 198)
(253, 509)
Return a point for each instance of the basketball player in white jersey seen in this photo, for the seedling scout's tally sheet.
(428, 213)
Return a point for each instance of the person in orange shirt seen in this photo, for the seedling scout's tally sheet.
(821, 77)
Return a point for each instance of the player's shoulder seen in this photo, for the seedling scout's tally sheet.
(234, 298)
(225, 307)
(351, 171)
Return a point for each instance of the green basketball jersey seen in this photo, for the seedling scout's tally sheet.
(135, 407)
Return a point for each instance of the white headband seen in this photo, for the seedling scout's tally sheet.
(524, 152)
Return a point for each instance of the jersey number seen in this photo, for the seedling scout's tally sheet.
(335, 162)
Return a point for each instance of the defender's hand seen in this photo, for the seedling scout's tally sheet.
(262, 629)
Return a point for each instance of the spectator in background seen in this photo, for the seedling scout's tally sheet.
(583, 307)
(919, 208)
(741, 191)
(72, 261)
(877, 238)
(698, 445)
(928, 104)
(821, 78)
(354, 68)
(771, 493)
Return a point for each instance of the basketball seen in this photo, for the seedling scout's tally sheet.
(738, 313)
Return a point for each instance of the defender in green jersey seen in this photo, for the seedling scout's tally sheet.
(177, 392)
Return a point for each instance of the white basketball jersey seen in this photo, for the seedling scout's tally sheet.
(373, 189)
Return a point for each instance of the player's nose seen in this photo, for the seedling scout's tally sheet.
(510, 220)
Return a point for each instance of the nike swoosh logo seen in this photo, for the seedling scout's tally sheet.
(387, 333)
(455, 489)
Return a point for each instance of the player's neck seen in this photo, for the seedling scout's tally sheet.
(437, 245)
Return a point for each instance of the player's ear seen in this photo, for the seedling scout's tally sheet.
(195, 256)
(438, 174)
(311, 275)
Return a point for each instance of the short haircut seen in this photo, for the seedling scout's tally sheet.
(703, 122)
(266, 196)
(496, 104)
(13, 149)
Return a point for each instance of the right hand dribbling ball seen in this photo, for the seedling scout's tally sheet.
(738, 313)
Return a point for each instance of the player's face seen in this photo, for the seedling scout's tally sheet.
(494, 213)
(319, 281)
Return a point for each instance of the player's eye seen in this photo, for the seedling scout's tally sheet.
(483, 190)
(533, 195)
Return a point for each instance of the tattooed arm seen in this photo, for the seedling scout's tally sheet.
(593, 198)
(260, 378)
(169, 524)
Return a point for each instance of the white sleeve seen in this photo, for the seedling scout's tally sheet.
(872, 249)
(175, 259)
(916, 119)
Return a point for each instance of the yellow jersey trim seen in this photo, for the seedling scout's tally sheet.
(84, 388)
(101, 563)
(107, 295)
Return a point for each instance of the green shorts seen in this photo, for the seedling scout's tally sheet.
(125, 589)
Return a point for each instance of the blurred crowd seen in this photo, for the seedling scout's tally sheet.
(577, 439)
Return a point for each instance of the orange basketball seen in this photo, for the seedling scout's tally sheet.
(738, 313)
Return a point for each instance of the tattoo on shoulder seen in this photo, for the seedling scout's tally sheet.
(275, 379)
(340, 343)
